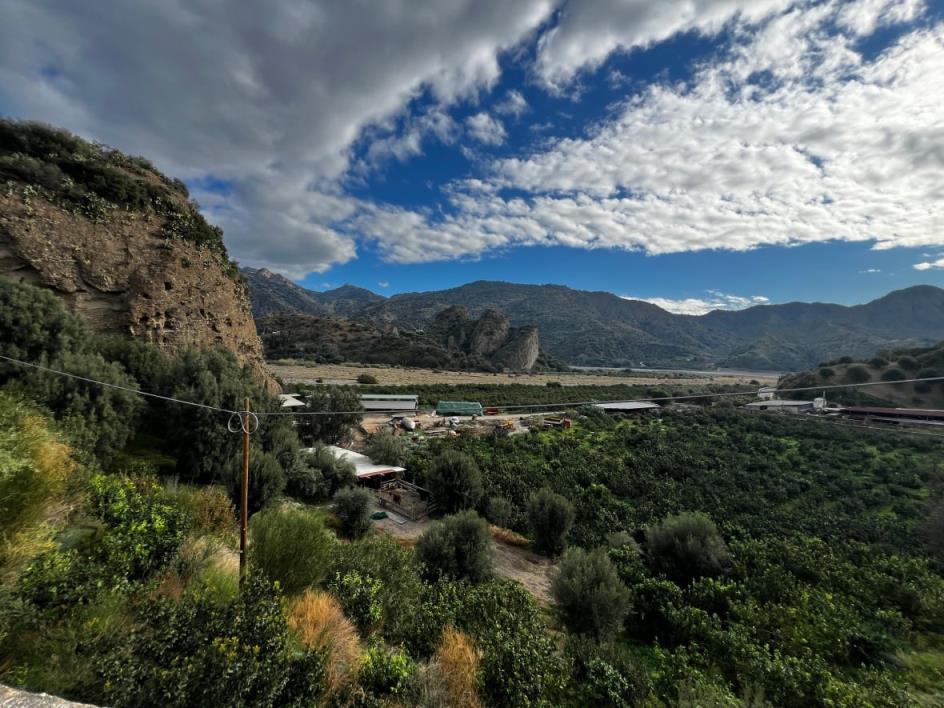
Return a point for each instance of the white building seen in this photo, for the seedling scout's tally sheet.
(767, 393)
(781, 406)
(627, 406)
(364, 467)
(390, 402)
(291, 400)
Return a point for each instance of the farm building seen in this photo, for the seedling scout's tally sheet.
(767, 393)
(917, 416)
(458, 408)
(291, 400)
(627, 406)
(364, 467)
(781, 406)
(389, 402)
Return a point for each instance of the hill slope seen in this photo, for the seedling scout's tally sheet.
(120, 243)
(274, 294)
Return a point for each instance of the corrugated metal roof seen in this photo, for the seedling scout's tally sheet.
(777, 403)
(363, 466)
(389, 397)
(458, 408)
(627, 405)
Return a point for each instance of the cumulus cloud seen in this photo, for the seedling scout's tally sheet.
(486, 129)
(514, 104)
(871, 270)
(268, 97)
(928, 265)
(716, 300)
(831, 146)
(383, 284)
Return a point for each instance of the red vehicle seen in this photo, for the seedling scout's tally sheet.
(491, 411)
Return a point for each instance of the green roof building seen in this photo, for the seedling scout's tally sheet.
(458, 408)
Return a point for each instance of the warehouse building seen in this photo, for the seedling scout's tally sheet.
(390, 402)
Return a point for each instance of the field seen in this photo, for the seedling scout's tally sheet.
(303, 373)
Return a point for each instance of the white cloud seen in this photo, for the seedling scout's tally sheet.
(383, 284)
(699, 306)
(486, 129)
(513, 104)
(928, 265)
(871, 270)
(832, 147)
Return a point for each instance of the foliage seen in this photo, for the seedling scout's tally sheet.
(894, 374)
(196, 652)
(317, 474)
(342, 403)
(686, 546)
(606, 675)
(290, 546)
(500, 511)
(386, 671)
(320, 625)
(454, 481)
(456, 547)
(366, 379)
(360, 596)
(857, 374)
(385, 448)
(352, 506)
(589, 594)
(266, 479)
(36, 327)
(550, 516)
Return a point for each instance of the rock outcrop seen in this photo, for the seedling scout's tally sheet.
(491, 337)
(520, 351)
(132, 268)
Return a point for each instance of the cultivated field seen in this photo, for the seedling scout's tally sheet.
(347, 374)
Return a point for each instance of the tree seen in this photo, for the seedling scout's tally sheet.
(589, 594)
(366, 379)
(343, 406)
(686, 546)
(290, 546)
(317, 474)
(857, 374)
(352, 507)
(456, 548)
(551, 517)
(386, 448)
(266, 479)
(500, 511)
(455, 481)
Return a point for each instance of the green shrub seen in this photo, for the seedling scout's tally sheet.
(908, 363)
(550, 516)
(857, 374)
(589, 594)
(456, 548)
(894, 375)
(344, 404)
(686, 546)
(36, 327)
(352, 507)
(928, 372)
(317, 474)
(826, 373)
(360, 597)
(366, 379)
(266, 479)
(454, 481)
(500, 512)
(385, 448)
(386, 672)
(606, 675)
(194, 652)
(290, 546)
(878, 363)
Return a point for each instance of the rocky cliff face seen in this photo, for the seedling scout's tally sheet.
(490, 337)
(120, 266)
(520, 351)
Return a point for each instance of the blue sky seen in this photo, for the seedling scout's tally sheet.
(712, 154)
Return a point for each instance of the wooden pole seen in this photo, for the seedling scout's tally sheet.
(244, 502)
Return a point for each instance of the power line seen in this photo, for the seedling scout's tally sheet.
(119, 387)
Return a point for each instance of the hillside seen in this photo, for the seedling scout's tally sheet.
(885, 366)
(601, 329)
(120, 243)
(274, 294)
(455, 342)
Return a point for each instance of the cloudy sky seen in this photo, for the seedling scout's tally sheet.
(697, 153)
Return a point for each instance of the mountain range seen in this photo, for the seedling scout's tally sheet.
(601, 329)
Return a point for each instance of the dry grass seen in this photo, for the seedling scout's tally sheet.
(198, 558)
(456, 664)
(211, 508)
(507, 536)
(318, 621)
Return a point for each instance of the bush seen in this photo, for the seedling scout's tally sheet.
(386, 671)
(826, 373)
(360, 597)
(266, 480)
(352, 507)
(857, 374)
(590, 596)
(500, 512)
(927, 372)
(894, 374)
(290, 546)
(454, 481)
(320, 625)
(366, 379)
(908, 363)
(196, 652)
(686, 546)
(344, 404)
(318, 474)
(551, 517)
(456, 548)
(385, 448)
(606, 675)
(878, 362)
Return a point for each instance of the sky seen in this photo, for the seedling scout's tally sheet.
(698, 154)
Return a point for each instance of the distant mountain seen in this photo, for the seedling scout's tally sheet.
(601, 329)
(275, 294)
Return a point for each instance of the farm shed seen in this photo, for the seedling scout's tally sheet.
(364, 467)
(291, 400)
(918, 416)
(458, 408)
(627, 406)
(781, 406)
(389, 402)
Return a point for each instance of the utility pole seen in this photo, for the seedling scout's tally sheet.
(244, 502)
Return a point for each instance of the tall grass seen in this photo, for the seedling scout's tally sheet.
(456, 663)
(319, 624)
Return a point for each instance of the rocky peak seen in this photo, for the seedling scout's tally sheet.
(489, 333)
